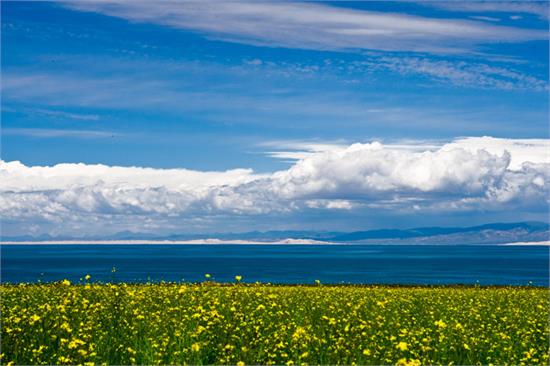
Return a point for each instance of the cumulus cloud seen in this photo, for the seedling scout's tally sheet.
(521, 150)
(451, 176)
(313, 26)
(466, 174)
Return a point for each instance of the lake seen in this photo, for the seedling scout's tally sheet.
(369, 264)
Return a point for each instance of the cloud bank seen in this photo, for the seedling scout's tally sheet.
(479, 174)
(313, 26)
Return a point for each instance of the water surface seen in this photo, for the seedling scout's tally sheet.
(370, 264)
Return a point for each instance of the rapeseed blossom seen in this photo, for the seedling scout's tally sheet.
(210, 323)
(402, 346)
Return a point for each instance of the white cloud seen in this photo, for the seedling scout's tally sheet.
(459, 73)
(477, 174)
(536, 151)
(442, 70)
(138, 91)
(538, 8)
(292, 150)
(372, 170)
(530, 151)
(330, 204)
(66, 115)
(241, 96)
(68, 89)
(53, 133)
(18, 177)
(313, 26)
(488, 19)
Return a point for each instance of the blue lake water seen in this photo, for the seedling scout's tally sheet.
(370, 264)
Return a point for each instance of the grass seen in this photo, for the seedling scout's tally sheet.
(208, 323)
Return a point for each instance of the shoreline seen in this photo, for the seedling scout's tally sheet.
(222, 284)
(528, 243)
(289, 241)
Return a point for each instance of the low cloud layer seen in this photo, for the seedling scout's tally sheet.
(479, 174)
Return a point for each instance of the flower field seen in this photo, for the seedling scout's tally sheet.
(209, 323)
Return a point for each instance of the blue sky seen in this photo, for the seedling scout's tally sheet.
(218, 86)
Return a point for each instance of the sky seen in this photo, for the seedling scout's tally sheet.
(203, 117)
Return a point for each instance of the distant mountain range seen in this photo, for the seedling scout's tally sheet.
(496, 233)
(490, 233)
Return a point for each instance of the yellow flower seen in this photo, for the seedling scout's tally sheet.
(87, 277)
(34, 318)
(65, 282)
(402, 346)
(405, 362)
(238, 278)
(299, 333)
(207, 275)
(39, 350)
(75, 343)
(63, 359)
(168, 327)
(65, 326)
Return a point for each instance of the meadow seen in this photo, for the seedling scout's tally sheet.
(210, 323)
